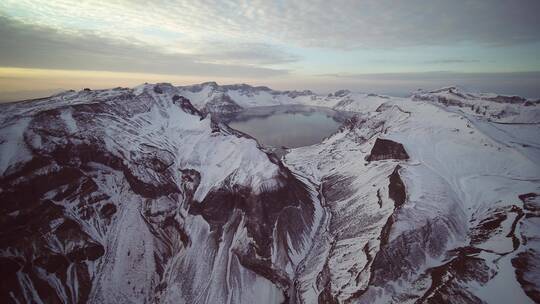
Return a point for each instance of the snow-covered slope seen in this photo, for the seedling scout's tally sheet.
(345, 100)
(498, 108)
(131, 196)
(447, 225)
(137, 196)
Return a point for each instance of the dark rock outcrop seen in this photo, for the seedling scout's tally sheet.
(60, 207)
(387, 149)
(526, 264)
(445, 279)
(186, 105)
(396, 188)
(222, 103)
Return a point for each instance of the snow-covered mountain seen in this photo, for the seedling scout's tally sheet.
(213, 98)
(137, 196)
(209, 97)
(129, 196)
(498, 108)
(424, 205)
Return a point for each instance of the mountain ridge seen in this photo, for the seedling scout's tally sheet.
(138, 195)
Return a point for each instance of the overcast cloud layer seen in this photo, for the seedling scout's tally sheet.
(340, 24)
(31, 46)
(261, 39)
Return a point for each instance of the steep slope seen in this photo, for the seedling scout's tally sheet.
(137, 196)
(511, 120)
(122, 196)
(446, 225)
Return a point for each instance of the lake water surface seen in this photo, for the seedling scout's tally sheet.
(287, 126)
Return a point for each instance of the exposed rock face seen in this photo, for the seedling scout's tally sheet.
(186, 105)
(221, 104)
(447, 278)
(123, 196)
(527, 264)
(210, 97)
(137, 196)
(527, 261)
(387, 149)
(396, 188)
(448, 227)
(295, 94)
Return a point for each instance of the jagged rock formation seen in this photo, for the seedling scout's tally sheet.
(209, 97)
(122, 196)
(141, 196)
(221, 104)
(441, 227)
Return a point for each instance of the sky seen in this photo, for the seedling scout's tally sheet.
(383, 46)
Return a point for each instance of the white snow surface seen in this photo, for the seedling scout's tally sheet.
(470, 156)
(461, 167)
(148, 127)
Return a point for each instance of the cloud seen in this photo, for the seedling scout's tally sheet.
(440, 75)
(26, 94)
(27, 45)
(240, 53)
(519, 83)
(451, 61)
(249, 40)
(343, 24)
